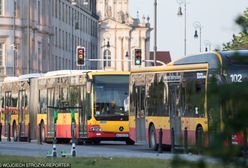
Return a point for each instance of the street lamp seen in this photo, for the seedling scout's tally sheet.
(155, 32)
(197, 25)
(74, 3)
(28, 39)
(207, 44)
(180, 13)
(14, 39)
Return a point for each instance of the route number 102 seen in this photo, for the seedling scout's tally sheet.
(236, 77)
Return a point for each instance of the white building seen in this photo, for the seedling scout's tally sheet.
(120, 34)
(55, 28)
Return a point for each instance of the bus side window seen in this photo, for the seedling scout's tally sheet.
(142, 97)
(14, 99)
(42, 101)
(183, 107)
(132, 100)
(2, 105)
(74, 96)
(200, 96)
(194, 95)
(88, 105)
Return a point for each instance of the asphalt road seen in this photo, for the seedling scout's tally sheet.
(105, 149)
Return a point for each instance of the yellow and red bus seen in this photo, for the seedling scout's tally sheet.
(15, 116)
(175, 97)
(98, 99)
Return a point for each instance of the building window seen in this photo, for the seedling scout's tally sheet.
(107, 58)
(1, 7)
(56, 37)
(39, 57)
(1, 54)
(56, 9)
(39, 13)
(59, 42)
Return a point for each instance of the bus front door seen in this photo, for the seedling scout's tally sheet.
(50, 112)
(22, 107)
(175, 116)
(140, 114)
(83, 113)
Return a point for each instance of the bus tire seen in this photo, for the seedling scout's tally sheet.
(96, 142)
(199, 136)
(130, 142)
(14, 131)
(152, 138)
(87, 142)
(42, 133)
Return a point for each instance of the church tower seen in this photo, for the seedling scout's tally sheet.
(119, 35)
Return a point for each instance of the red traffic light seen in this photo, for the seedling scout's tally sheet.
(80, 56)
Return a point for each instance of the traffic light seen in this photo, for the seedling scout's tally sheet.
(80, 56)
(137, 57)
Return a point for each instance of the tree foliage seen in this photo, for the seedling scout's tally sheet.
(239, 41)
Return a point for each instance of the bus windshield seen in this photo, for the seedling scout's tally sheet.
(111, 97)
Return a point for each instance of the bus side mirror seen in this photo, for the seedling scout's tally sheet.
(88, 117)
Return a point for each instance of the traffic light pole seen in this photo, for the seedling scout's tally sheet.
(128, 60)
(72, 43)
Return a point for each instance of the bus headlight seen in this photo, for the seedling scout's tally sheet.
(95, 128)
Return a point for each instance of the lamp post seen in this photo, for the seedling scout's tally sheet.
(207, 44)
(180, 13)
(155, 32)
(28, 39)
(14, 43)
(74, 3)
(197, 25)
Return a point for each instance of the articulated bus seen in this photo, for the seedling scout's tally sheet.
(15, 116)
(97, 100)
(175, 97)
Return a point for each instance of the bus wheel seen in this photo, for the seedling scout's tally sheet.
(87, 142)
(130, 142)
(199, 136)
(152, 138)
(14, 132)
(96, 142)
(42, 133)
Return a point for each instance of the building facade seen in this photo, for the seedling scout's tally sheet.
(42, 35)
(119, 36)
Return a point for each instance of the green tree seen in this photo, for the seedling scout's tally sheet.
(239, 41)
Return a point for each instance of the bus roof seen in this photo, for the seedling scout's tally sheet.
(213, 59)
(63, 72)
(110, 73)
(70, 72)
(171, 67)
(10, 79)
(29, 76)
(234, 52)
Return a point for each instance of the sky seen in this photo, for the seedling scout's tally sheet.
(216, 17)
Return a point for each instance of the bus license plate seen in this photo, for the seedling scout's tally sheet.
(121, 135)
